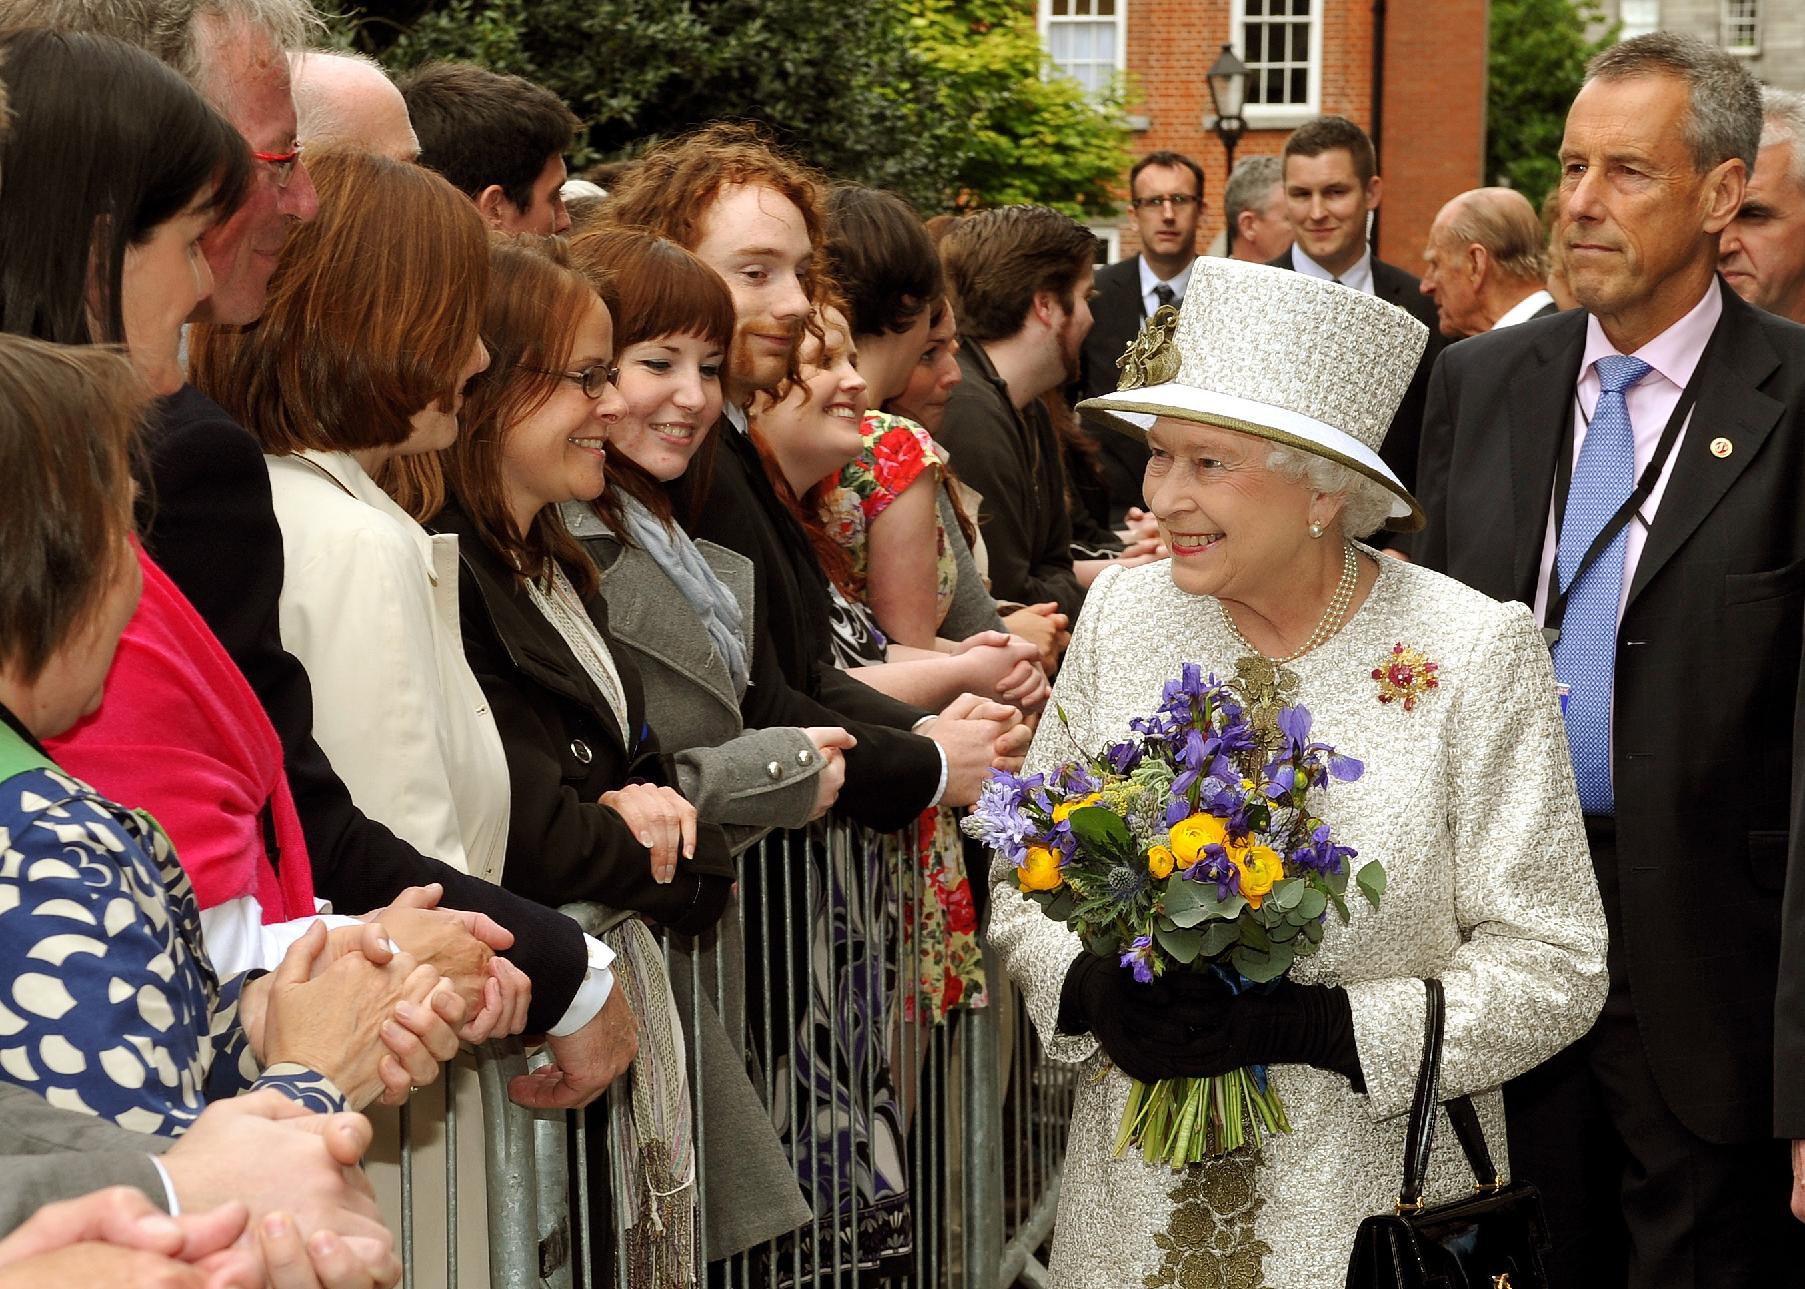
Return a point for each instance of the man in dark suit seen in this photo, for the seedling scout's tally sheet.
(1332, 185)
(1653, 1138)
(1165, 198)
(1485, 263)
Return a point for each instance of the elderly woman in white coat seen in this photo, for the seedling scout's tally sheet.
(1263, 404)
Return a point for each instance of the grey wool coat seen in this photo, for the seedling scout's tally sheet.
(726, 771)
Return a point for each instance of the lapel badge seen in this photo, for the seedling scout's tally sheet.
(1721, 448)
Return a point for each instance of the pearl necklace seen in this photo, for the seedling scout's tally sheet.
(1326, 626)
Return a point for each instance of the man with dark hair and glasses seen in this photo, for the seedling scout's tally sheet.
(1165, 199)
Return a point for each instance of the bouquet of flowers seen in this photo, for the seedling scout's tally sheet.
(1190, 847)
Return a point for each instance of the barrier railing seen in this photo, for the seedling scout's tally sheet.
(927, 1153)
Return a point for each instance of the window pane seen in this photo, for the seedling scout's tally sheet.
(1300, 42)
(1104, 8)
(1059, 9)
(1059, 43)
(1275, 86)
(1256, 43)
(1300, 85)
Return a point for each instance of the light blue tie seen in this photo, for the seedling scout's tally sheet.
(1585, 655)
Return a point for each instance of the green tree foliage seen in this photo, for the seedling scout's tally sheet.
(940, 100)
(1024, 136)
(1538, 55)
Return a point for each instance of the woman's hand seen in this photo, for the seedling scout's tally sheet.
(830, 741)
(1137, 525)
(375, 1028)
(662, 820)
(1002, 667)
(1044, 626)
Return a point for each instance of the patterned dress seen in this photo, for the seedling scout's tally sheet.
(111, 1006)
(950, 970)
(1468, 800)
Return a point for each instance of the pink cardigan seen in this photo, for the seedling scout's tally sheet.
(181, 734)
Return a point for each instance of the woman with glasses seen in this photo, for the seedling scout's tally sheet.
(590, 817)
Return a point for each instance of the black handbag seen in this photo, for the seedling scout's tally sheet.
(1495, 1238)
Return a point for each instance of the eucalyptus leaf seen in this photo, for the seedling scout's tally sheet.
(1229, 908)
(1313, 932)
(1312, 904)
(1180, 896)
(1287, 893)
(1259, 966)
(1371, 880)
(1060, 904)
(1189, 917)
(1285, 931)
(1219, 938)
(1254, 937)
(1183, 945)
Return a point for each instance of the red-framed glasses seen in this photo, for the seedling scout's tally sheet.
(282, 164)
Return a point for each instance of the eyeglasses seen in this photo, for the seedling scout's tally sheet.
(1178, 201)
(282, 164)
(593, 379)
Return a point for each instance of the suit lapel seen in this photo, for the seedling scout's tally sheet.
(1730, 405)
(1541, 418)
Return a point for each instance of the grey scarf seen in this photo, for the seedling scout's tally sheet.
(708, 596)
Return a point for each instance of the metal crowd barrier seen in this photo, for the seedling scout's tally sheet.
(983, 1116)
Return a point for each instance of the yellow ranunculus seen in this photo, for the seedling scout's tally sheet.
(1259, 867)
(1063, 810)
(1190, 836)
(1160, 861)
(1041, 872)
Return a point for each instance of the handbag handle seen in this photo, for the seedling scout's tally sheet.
(1421, 1135)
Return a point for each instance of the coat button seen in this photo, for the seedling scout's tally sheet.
(805, 757)
(580, 750)
(775, 771)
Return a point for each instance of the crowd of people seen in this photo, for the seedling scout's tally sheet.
(404, 540)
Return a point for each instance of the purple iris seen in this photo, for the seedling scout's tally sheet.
(1322, 854)
(1123, 757)
(1140, 957)
(1216, 867)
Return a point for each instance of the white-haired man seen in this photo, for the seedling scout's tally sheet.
(1763, 256)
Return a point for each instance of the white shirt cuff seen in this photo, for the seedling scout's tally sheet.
(238, 940)
(940, 789)
(598, 983)
(175, 1205)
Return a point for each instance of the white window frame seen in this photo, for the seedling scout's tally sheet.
(1111, 237)
(1286, 116)
(1046, 21)
(1725, 21)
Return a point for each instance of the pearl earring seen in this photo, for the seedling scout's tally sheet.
(1316, 530)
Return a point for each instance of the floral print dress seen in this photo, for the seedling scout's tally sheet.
(950, 970)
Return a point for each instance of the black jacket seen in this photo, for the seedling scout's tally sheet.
(207, 519)
(1012, 458)
(565, 750)
(892, 774)
(1394, 286)
(1117, 312)
(1705, 699)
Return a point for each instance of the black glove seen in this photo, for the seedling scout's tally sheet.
(1192, 1024)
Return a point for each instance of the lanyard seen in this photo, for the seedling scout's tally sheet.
(1556, 615)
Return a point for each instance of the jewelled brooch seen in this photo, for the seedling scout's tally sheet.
(1406, 674)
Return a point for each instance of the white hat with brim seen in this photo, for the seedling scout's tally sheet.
(1309, 364)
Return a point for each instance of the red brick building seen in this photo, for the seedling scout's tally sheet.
(1306, 57)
